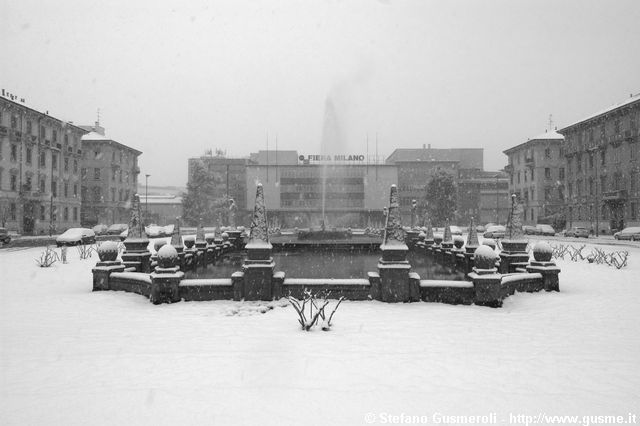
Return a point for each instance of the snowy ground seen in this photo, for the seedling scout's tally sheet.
(70, 356)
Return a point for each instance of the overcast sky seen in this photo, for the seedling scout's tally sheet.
(173, 79)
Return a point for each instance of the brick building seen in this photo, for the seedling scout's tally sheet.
(40, 159)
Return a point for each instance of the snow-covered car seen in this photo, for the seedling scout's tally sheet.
(117, 228)
(124, 234)
(4, 236)
(495, 231)
(480, 229)
(154, 231)
(577, 232)
(530, 230)
(631, 233)
(545, 230)
(75, 236)
(455, 230)
(100, 229)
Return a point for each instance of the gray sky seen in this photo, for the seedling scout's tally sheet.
(175, 78)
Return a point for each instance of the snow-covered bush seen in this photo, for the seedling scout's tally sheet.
(47, 258)
(305, 310)
(85, 250)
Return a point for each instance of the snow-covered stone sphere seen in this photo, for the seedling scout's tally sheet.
(437, 238)
(542, 251)
(489, 242)
(189, 242)
(167, 256)
(108, 251)
(484, 258)
(225, 236)
(458, 241)
(157, 244)
(422, 236)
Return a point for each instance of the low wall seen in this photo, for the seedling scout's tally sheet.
(132, 282)
(206, 289)
(352, 289)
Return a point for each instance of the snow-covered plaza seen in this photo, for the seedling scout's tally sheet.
(70, 356)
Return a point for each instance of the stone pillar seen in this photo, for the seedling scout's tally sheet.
(514, 246)
(393, 268)
(258, 266)
(542, 263)
(487, 282)
(237, 281)
(165, 281)
(108, 253)
(136, 244)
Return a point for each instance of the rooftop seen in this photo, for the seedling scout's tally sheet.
(630, 100)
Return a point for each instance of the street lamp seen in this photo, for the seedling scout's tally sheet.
(146, 198)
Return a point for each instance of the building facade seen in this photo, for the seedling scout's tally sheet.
(536, 170)
(603, 168)
(109, 177)
(40, 160)
(298, 189)
(161, 209)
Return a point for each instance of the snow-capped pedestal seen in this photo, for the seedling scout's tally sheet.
(458, 242)
(437, 239)
(108, 251)
(258, 266)
(136, 244)
(542, 251)
(393, 268)
(167, 256)
(484, 259)
(165, 280)
(189, 242)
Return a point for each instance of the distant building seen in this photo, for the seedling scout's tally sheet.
(109, 179)
(603, 168)
(484, 196)
(161, 209)
(536, 175)
(39, 170)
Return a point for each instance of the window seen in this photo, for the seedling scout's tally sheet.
(96, 173)
(547, 173)
(43, 159)
(126, 174)
(75, 190)
(12, 211)
(113, 156)
(42, 186)
(561, 173)
(65, 214)
(97, 194)
(532, 175)
(27, 185)
(13, 182)
(75, 166)
(120, 176)
(29, 155)
(120, 195)
(518, 177)
(29, 127)
(590, 186)
(113, 175)
(54, 161)
(14, 152)
(55, 135)
(547, 153)
(603, 183)
(66, 189)
(547, 194)
(113, 194)
(83, 173)
(591, 161)
(54, 187)
(634, 211)
(14, 122)
(561, 193)
(75, 213)
(42, 213)
(616, 126)
(43, 132)
(66, 164)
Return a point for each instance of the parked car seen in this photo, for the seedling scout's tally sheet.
(495, 231)
(480, 229)
(530, 230)
(455, 230)
(5, 238)
(75, 236)
(124, 234)
(154, 231)
(100, 229)
(117, 228)
(631, 233)
(545, 230)
(577, 231)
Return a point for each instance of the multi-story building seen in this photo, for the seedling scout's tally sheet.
(348, 189)
(39, 170)
(109, 178)
(161, 209)
(536, 175)
(603, 168)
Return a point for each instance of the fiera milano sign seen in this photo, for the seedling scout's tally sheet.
(337, 157)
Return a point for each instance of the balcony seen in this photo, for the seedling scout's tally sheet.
(615, 196)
